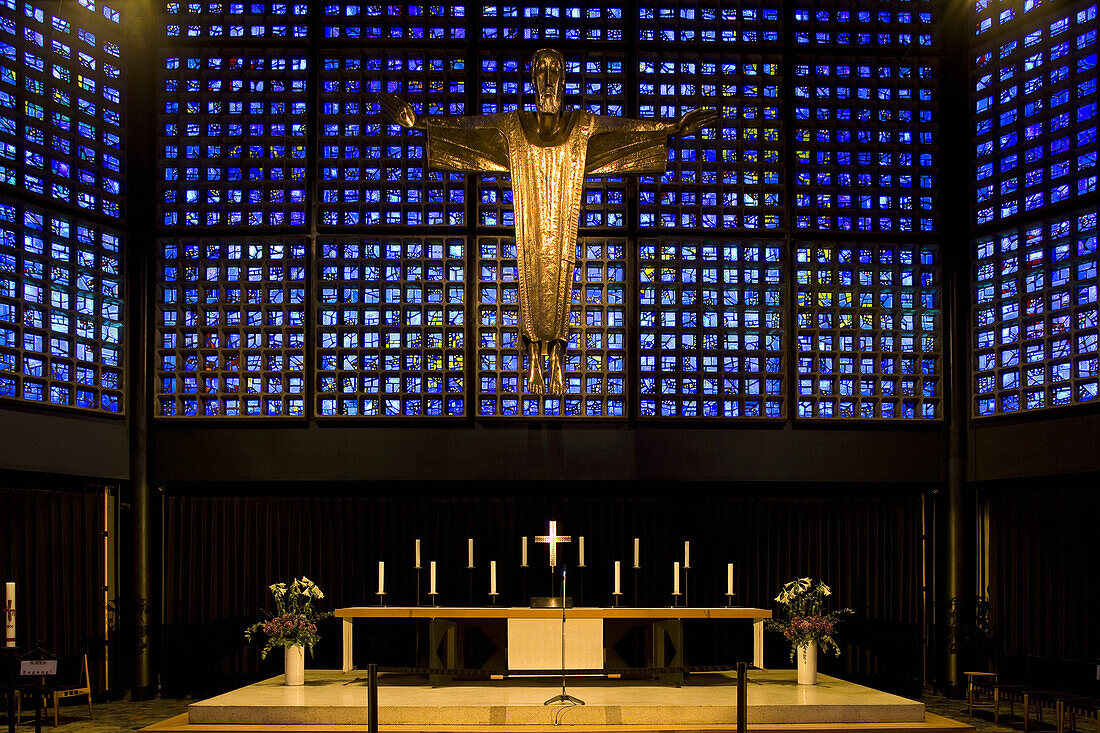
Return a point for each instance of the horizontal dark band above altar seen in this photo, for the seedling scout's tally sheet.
(485, 612)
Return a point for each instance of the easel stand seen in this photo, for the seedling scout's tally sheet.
(564, 697)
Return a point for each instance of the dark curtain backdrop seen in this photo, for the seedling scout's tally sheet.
(1045, 565)
(51, 545)
(223, 551)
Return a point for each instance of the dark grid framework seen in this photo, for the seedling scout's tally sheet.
(391, 327)
(230, 327)
(595, 370)
(868, 331)
(595, 82)
(383, 344)
(730, 177)
(1035, 316)
(1035, 105)
(232, 138)
(376, 173)
(711, 328)
(60, 309)
(61, 104)
(1034, 96)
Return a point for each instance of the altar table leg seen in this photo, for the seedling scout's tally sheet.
(346, 626)
(668, 649)
(758, 643)
(442, 649)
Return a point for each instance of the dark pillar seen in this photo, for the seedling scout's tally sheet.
(144, 591)
(955, 195)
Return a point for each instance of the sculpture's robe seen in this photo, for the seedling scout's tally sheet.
(547, 185)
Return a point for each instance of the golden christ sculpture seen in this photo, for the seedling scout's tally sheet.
(548, 153)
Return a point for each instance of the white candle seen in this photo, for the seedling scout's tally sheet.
(416, 564)
(523, 552)
(470, 552)
(637, 551)
(687, 555)
(493, 577)
(381, 577)
(431, 578)
(9, 614)
(729, 579)
(675, 577)
(618, 588)
(581, 553)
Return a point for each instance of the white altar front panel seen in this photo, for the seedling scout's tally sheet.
(535, 643)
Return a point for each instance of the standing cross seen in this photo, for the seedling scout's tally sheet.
(553, 539)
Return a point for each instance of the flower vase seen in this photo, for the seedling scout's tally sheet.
(295, 660)
(807, 663)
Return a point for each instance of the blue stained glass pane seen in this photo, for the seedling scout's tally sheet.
(392, 327)
(868, 331)
(411, 21)
(716, 22)
(1035, 316)
(61, 329)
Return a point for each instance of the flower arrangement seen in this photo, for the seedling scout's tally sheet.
(805, 618)
(295, 619)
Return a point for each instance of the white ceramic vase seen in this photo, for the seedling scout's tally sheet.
(807, 663)
(295, 660)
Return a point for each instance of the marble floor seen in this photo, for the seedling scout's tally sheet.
(774, 697)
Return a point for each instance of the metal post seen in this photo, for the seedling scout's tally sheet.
(372, 698)
(742, 702)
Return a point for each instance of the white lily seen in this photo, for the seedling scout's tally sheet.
(825, 590)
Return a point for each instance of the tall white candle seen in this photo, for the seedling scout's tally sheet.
(580, 554)
(416, 564)
(523, 552)
(381, 577)
(687, 555)
(9, 614)
(676, 577)
(637, 551)
(493, 577)
(431, 578)
(618, 587)
(470, 552)
(729, 579)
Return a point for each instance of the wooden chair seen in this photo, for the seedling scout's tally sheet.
(1073, 706)
(72, 681)
(976, 684)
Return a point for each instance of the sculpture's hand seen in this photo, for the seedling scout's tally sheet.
(696, 120)
(399, 111)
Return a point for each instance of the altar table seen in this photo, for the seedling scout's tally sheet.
(443, 644)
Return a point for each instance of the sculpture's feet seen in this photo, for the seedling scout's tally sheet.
(534, 377)
(557, 379)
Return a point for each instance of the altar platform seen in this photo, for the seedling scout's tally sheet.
(708, 702)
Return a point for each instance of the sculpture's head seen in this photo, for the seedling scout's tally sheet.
(548, 70)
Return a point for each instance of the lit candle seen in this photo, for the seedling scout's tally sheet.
(618, 588)
(687, 555)
(729, 579)
(675, 578)
(381, 577)
(9, 614)
(492, 577)
(470, 552)
(416, 564)
(581, 553)
(637, 551)
(523, 552)
(431, 578)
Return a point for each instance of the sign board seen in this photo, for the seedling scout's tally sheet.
(37, 667)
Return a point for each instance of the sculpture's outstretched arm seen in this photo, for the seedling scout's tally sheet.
(402, 113)
(689, 124)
